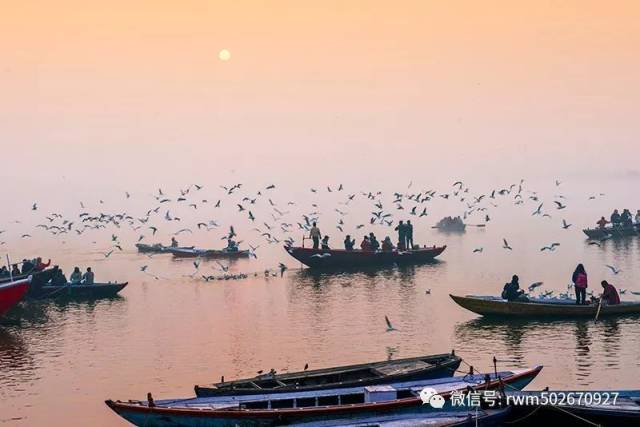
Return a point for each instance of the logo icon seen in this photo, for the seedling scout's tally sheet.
(431, 397)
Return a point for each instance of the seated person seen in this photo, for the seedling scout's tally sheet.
(76, 276)
(27, 266)
(366, 244)
(174, 242)
(15, 271)
(349, 243)
(88, 277)
(610, 295)
(59, 279)
(232, 246)
(602, 223)
(325, 243)
(387, 246)
(512, 291)
(4, 272)
(375, 245)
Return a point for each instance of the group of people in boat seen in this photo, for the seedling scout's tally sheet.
(617, 219)
(370, 242)
(609, 296)
(28, 266)
(76, 278)
(449, 222)
(232, 245)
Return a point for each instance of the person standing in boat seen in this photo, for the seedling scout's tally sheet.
(602, 223)
(4, 272)
(580, 283)
(349, 243)
(325, 243)
(41, 265)
(409, 234)
(27, 266)
(610, 294)
(76, 276)
(315, 235)
(375, 245)
(626, 218)
(615, 218)
(174, 242)
(15, 271)
(232, 246)
(402, 235)
(638, 218)
(59, 279)
(88, 277)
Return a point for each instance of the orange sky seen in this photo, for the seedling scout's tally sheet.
(544, 77)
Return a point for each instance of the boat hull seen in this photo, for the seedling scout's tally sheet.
(602, 233)
(157, 248)
(338, 258)
(95, 291)
(11, 293)
(168, 414)
(208, 253)
(496, 307)
(401, 370)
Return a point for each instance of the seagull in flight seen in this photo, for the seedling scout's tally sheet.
(613, 269)
(389, 325)
(560, 205)
(506, 245)
(565, 225)
(534, 285)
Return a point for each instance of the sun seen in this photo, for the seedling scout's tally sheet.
(224, 55)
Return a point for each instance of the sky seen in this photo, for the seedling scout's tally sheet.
(121, 91)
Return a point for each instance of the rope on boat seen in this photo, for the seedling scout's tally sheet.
(523, 418)
(575, 416)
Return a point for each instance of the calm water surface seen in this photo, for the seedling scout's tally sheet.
(62, 360)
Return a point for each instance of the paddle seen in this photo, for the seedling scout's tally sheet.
(598, 311)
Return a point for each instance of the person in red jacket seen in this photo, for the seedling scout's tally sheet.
(366, 244)
(610, 295)
(40, 265)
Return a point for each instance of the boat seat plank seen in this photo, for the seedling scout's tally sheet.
(401, 368)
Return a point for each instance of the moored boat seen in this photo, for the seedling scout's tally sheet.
(11, 293)
(208, 253)
(408, 369)
(603, 233)
(541, 307)
(80, 291)
(310, 406)
(340, 258)
(618, 408)
(158, 248)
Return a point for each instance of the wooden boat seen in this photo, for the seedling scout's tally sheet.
(624, 411)
(80, 291)
(309, 406)
(451, 225)
(208, 253)
(340, 258)
(11, 293)
(38, 279)
(541, 307)
(158, 248)
(613, 232)
(409, 369)
(459, 418)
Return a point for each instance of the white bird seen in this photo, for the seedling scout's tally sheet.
(613, 269)
(552, 247)
(506, 245)
(324, 255)
(565, 225)
(478, 250)
(538, 211)
(534, 285)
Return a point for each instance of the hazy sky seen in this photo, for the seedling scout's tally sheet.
(131, 89)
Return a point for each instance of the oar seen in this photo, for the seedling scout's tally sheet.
(598, 311)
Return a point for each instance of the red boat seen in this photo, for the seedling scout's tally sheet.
(340, 258)
(11, 293)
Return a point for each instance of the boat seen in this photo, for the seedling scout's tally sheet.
(310, 406)
(341, 258)
(449, 224)
(158, 248)
(458, 418)
(11, 293)
(208, 253)
(576, 408)
(38, 279)
(610, 232)
(541, 307)
(80, 291)
(408, 369)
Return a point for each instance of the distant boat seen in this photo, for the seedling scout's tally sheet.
(449, 224)
(618, 408)
(541, 307)
(80, 291)
(340, 258)
(208, 253)
(158, 248)
(311, 406)
(613, 232)
(408, 369)
(11, 293)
